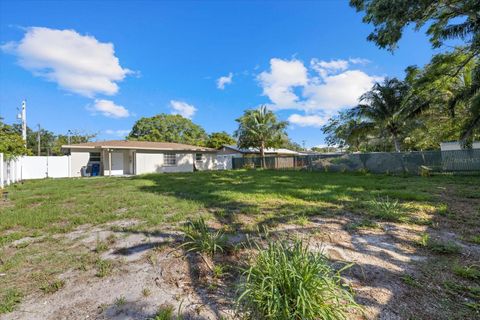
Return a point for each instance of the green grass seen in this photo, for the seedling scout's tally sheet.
(243, 200)
(9, 300)
(291, 282)
(59, 205)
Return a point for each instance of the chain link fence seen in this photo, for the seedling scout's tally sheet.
(467, 160)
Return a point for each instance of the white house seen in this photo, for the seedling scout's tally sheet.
(119, 157)
(455, 145)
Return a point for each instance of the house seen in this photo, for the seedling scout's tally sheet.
(118, 157)
(455, 145)
(236, 152)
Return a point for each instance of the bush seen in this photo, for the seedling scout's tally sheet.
(289, 282)
(386, 209)
(199, 238)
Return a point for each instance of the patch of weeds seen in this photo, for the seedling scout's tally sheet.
(146, 292)
(120, 301)
(474, 239)
(9, 300)
(410, 280)
(424, 239)
(443, 247)
(468, 272)
(101, 246)
(198, 238)
(104, 268)
(289, 282)
(53, 286)
(386, 209)
(456, 289)
(442, 209)
(301, 220)
(362, 224)
(218, 270)
(164, 312)
(152, 258)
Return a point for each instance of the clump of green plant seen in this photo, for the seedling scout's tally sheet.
(199, 238)
(290, 282)
(441, 247)
(362, 224)
(54, 286)
(386, 209)
(474, 239)
(9, 300)
(164, 312)
(101, 246)
(410, 280)
(120, 301)
(104, 268)
(468, 272)
(146, 292)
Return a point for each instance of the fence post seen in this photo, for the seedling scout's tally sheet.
(1, 171)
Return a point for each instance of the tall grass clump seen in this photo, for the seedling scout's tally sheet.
(198, 238)
(386, 209)
(289, 282)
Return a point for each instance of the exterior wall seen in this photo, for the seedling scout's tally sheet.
(209, 162)
(451, 146)
(120, 163)
(152, 162)
(78, 160)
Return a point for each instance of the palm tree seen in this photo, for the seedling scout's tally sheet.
(259, 128)
(387, 107)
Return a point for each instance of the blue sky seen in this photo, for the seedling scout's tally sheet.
(100, 66)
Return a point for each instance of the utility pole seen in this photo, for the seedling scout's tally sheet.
(38, 140)
(23, 118)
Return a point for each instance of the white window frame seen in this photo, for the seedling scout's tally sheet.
(171, 156)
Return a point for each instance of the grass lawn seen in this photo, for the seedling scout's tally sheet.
(240, 202)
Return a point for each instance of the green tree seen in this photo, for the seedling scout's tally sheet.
(347, 131)
(168, 128)
(11, 143)
(387, 107)
(291, 145)
(72, 137)
(218, 139)
(448, 20)
(259, 128)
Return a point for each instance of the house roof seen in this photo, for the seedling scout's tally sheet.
(267, 150)
(142, 145)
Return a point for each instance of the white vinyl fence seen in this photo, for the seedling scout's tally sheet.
(33, 167)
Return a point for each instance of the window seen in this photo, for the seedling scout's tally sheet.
(94, 157)
(199, 157)
(170, 159)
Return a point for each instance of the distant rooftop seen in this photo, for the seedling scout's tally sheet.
(267, 150)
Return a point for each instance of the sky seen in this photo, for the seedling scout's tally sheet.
(99, 66)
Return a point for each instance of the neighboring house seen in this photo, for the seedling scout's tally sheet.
(137, 157)
(455, 145)
(236, 152)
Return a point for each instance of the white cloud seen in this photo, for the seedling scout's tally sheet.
(332, 87)
(77, 63)
(359, 61)
(307, 120)
(118, 133)
(278, 84)
(182, 108)
(223, 81)
(109, 109)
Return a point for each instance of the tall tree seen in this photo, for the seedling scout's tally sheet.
(448, 20)
(259, 128)
(168, 128)
(218, 139)
(387, 107)
(11, 143)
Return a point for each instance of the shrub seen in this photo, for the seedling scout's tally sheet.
(199, 238)
(289, 282)
(386, 209)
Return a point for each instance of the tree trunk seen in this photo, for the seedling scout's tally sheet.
(396, 142)
(262, 153)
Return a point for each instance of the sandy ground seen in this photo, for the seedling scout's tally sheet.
(149, 262)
